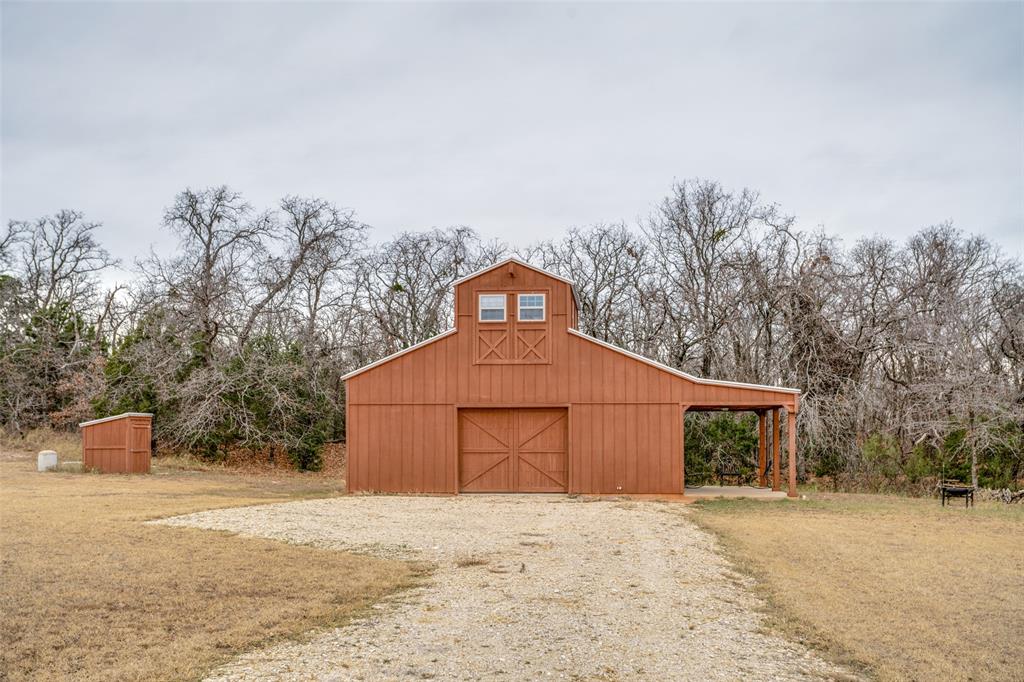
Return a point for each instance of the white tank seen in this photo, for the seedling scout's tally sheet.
(47, 460)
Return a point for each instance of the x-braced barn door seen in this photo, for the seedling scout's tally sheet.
(513, 450)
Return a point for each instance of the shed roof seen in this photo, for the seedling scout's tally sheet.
(116, 416)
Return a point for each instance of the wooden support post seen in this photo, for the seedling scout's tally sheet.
(682, 445)
(762, 445)
(791, 428)
(776, 459)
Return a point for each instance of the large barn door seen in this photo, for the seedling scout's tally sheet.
(513, 450)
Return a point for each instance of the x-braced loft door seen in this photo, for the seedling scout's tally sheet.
(513, 450)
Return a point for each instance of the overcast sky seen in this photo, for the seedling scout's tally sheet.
(519, 120)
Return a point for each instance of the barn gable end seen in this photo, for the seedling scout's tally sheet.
(520, 400)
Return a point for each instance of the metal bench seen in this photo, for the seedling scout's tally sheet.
(733, 474)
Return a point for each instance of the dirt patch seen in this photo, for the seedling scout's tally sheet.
(90, 592)
(904, 586)
(525, 587)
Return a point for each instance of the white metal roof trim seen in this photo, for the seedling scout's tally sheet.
(695, 379)
(116, 416)
(398, 354)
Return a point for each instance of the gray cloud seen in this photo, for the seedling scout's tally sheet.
(519, 120)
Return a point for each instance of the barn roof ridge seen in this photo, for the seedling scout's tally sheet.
(517, 261)
(680, 373)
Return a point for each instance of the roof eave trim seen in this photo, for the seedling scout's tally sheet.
(389, 358)
(113, 417)
(679, 373)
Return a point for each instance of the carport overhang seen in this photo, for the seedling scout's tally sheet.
(769, 434)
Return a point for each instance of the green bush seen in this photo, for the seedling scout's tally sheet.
(721, 440)
(1000, 464)
(830, 463)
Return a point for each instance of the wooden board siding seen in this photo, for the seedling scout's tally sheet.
(624, 415)
(103, 447)
(626, 448)
(140, 437)
(401, 448)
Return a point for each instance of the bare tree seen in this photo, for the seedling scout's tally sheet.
(696, 236)
(406, 283)
(231, 343)
(611, 267)
(50, 304)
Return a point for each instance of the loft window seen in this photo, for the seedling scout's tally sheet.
(492, 307)
(531, 307)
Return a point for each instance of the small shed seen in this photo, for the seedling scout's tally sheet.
(118, 445)
(515, 398)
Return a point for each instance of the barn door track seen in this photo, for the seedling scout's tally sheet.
(526, 587)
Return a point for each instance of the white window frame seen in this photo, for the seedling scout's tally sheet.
(543, 307)
(480, 307)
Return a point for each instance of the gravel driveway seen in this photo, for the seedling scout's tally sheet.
(526, 587)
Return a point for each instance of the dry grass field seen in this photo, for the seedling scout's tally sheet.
(90, 592)
(901, 586)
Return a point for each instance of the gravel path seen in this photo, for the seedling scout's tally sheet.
(526, 587)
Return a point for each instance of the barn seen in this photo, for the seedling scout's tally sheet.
(516, 399)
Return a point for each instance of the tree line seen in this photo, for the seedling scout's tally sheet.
(910, 355)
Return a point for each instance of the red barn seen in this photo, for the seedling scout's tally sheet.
(516, 399)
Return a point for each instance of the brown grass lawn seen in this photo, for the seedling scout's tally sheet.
(902, 586)
(89, 592)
